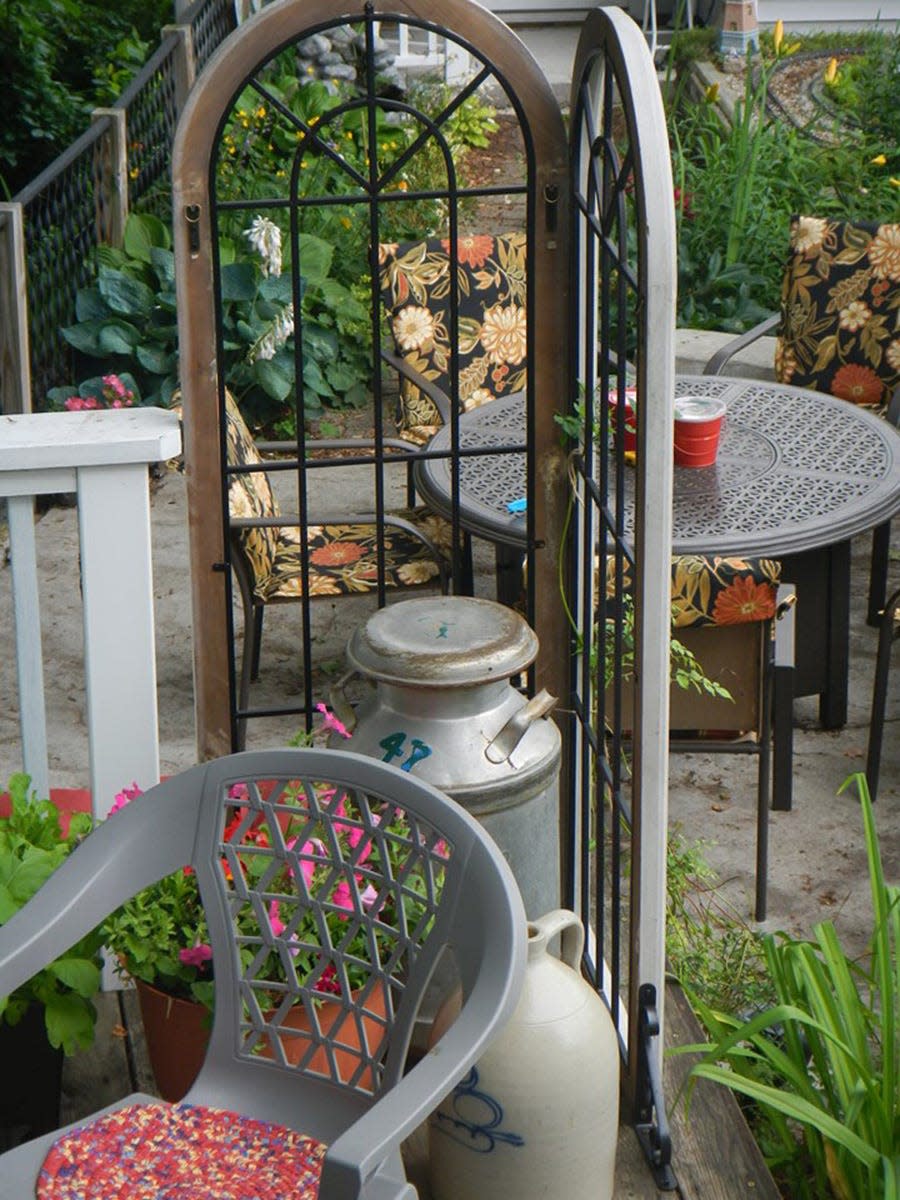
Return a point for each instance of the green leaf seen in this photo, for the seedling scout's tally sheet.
(85, 337)
(90, 305)
(238, 281)
(315, 257)
(156, 359)
(126, 295)
(70, 1021)
(118, 337)
(163, 263)
(143, 232)
(82, 975)
(273, 381)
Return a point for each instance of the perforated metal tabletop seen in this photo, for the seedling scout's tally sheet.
(797, 470)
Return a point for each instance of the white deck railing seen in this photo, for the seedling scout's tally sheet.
(102, 456)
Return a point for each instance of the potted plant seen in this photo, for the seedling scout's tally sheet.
(161, 939)
(53, 1013)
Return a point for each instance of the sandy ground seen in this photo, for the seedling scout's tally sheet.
(817, 855)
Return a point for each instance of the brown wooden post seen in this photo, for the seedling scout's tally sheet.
(185, 63)
(15, 369)
(111, 177)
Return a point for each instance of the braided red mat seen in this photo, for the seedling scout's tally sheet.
(181, 1152)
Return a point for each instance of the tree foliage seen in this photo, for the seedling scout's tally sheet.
(54, 57)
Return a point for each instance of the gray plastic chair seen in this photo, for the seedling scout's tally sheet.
(476, 914)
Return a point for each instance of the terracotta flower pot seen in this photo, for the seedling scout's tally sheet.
(345, 1031)
(177, 1033)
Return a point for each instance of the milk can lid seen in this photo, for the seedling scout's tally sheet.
(443, 641)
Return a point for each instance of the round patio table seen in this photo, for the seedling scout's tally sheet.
(798, 474)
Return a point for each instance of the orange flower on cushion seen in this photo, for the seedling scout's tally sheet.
(474, 249)
(859, 385)
(337, 554)
(744, 600)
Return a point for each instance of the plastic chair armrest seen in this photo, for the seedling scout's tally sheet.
(436, 395)
(730, 349)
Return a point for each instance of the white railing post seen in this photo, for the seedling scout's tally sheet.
(103, 457)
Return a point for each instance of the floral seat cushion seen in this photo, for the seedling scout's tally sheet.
(169, 1152)
(416, 289)
(343, 558)
(840, 308)
(718, 591)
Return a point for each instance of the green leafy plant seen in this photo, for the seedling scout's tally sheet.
(739, 181)
(161, 935)
(127, 327)
(32, 846)
(824, 1060)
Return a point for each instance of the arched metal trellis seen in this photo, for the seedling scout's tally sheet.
(612, 189)
(383, 160)
(618, 557)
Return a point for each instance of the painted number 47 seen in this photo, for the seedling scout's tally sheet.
(394, 746)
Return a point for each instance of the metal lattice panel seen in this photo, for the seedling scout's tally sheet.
(209, 27)
(60, 213)
(152, 117)
(330, 894)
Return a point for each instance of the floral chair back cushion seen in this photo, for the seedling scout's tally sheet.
(416, 288)
(250, 495)
(840, 308)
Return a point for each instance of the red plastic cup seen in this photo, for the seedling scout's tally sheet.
(629, 418)
(698, 424)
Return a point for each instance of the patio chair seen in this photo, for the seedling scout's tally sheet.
(888, 633)
(840, 305)
(736, 617)
(341, 548)
(416, 291)
(422, 879)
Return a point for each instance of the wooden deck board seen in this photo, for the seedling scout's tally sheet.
(715, 1156)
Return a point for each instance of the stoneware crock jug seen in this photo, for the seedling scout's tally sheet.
(537, 1116)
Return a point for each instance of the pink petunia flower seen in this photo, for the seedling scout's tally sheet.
(330, 721)
(125, 797)
(195, 956)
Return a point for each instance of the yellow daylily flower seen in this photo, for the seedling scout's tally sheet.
(895, 182)
(778, 35)
(878, 161)
(831, 71)
(712, 93)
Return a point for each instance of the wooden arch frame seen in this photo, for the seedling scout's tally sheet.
(274, 27)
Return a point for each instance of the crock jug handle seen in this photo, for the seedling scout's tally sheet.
(565, 922)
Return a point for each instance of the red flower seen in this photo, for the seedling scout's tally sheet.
(859, 385)
(474, 249)
(744, 600)
(337, 554)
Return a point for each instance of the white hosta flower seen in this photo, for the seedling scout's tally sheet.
(265, 238)
(274, 338)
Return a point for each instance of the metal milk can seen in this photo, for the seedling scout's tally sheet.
(444, 708)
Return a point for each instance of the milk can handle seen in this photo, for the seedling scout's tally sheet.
(514, 730)
(340, 705)
(566, 923)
